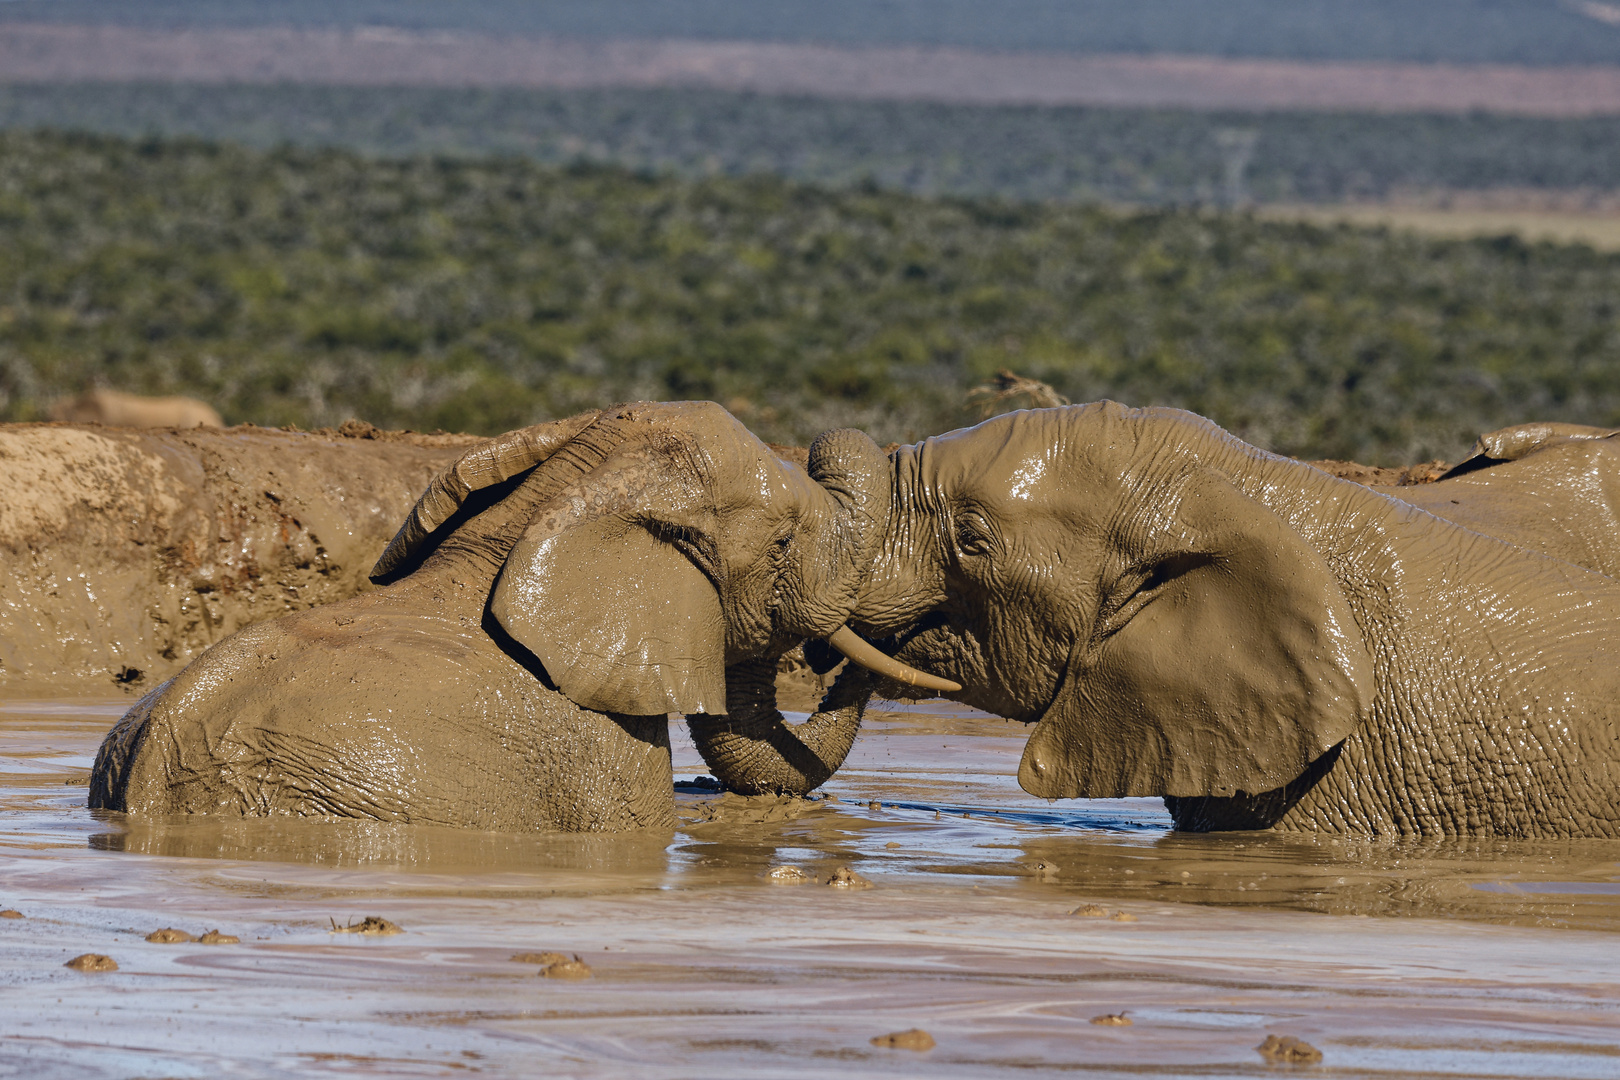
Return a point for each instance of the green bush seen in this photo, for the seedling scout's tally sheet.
(305, 286)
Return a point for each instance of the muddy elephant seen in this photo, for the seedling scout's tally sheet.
(551, 598)
(1183, 615)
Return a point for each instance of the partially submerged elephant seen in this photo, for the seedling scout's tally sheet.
(1181, 614)
(551, 598)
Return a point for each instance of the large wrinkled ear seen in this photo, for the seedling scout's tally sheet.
(1226, 660)
(622, 621)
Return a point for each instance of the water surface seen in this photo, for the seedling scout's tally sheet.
(1395, 959)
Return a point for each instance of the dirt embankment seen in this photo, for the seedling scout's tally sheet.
(127, 552)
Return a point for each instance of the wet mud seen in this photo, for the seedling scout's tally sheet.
(1393, 959)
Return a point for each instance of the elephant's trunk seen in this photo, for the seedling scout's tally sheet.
(753, 750)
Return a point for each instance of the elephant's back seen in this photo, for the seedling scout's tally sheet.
(1563, 501)
(374, 708)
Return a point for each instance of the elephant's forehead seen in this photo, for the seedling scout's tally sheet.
(1017, 459)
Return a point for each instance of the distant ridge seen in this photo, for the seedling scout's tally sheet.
(376, 56)
(1536, 32)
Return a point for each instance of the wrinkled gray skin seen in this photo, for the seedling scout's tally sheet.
(1181, 614)
(552, 598)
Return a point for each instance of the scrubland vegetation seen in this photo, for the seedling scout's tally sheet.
(1140, 156)
(304, 286)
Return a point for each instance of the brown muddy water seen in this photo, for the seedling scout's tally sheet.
(1439, 959)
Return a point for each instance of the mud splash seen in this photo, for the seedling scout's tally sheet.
(1468, 959)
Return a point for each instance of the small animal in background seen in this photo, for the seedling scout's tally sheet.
(116, 409)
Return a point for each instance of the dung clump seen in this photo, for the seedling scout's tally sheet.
(372, 924)
(1287, 1050)
(567, 968)
(544, 959)
(11, 913)
(214, 937)
(1090, 911)
(92, 962)
(1112, 1020)
(915, 1039)
(789, 875)
(169, 936)
(845, 878)
(1122, 916)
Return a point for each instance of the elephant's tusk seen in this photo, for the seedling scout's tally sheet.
(861, 652)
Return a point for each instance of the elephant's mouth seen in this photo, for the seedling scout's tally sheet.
(942, 644)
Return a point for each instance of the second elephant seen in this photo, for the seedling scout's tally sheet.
(1181, 614)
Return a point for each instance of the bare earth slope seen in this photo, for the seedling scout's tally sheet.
(127, 552)
(385, 56)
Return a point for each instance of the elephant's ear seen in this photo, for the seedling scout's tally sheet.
(622, 621)
(1226, 661)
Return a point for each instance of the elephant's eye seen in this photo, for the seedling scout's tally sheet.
(973, 536)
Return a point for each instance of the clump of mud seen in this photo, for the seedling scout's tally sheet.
(92, 962)
(1122, 916)
(734, 809)
(11, 913)
(214, 937)
(1375, 476)
(371, 924)
(789, 875)
(845, 878)
(545, 959)
(169, 936)
(1090, 911)
(1112, 1020)
(915, 1039)
(1287, 1050)
(567, 968)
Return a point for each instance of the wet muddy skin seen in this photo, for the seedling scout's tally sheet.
(996, 934)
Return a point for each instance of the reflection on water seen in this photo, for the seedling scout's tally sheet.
(596, 861)
(966, 931)
(929, 796)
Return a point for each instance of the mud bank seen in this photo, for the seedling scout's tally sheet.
(127, 552)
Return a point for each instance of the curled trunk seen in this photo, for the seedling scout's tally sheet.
(754, 750)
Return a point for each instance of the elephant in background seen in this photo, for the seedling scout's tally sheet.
(1552, 488)
(115, 409)
(551, 598)
(1181, 614)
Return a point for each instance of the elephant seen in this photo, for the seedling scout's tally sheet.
(1552, 488)
(115, 409)
(551, 599)
(1181, 614)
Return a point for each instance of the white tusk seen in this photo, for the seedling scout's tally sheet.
(862, 652)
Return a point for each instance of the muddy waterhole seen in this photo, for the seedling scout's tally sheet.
(1003, 926)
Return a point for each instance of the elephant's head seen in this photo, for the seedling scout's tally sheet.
(674, 570)
(1120, 578)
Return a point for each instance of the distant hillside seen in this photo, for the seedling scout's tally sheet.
(1544, 32)
(1074, 154)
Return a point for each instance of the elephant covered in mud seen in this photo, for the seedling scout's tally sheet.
(552, 597)
(1181, 614)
